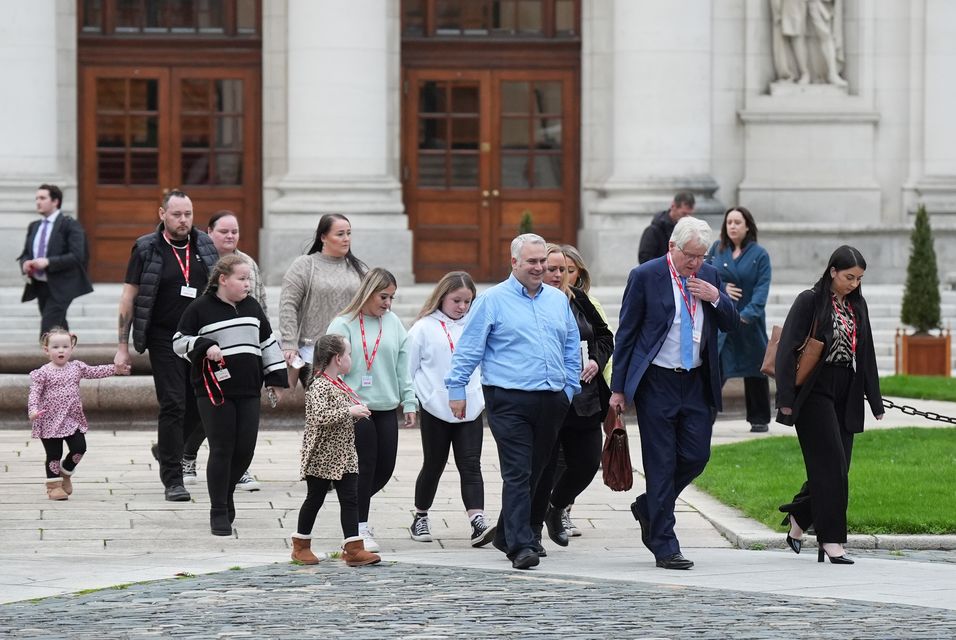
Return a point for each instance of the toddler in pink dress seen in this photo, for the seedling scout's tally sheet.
(55, 409)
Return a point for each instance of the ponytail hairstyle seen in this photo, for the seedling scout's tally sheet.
(56, 331)
(224, 267)
(325, 225)
(449, 282)
(326, 349)
(378, 279)
(845, 257)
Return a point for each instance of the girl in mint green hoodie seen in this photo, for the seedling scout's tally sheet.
(380, 377)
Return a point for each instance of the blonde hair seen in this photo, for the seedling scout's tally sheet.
(378, 279)
(556, 248)
(449, 282)
(583, 281)
(225, 266)
(56, 331)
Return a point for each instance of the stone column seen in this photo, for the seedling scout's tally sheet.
(338, 149)
(37, 114)
(656, 102)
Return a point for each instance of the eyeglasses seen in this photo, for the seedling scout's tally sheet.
(693, 257)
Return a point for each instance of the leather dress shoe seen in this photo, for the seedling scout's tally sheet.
(674, 561)
(645, 525)
(525, 559)
(177, 493)
(556, 531)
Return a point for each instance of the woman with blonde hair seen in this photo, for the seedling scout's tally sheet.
(382, 382)
(431, 343)
(579, 437)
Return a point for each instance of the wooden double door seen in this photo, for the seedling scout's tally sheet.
(483, 149)
(147, 129)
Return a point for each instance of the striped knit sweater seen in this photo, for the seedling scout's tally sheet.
(245, 337)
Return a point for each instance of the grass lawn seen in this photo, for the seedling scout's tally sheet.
(901, 480)
(922, 387)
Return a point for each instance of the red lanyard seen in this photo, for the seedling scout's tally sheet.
(447, 335)
(343, 387)
(215, 381)
(369, 360)
(182, 267)
(680, 287)
(846, 324)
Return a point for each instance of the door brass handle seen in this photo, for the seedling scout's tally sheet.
(494, 192)
(484, 193)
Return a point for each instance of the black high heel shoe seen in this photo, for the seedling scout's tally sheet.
(844, 559)
(794, 543)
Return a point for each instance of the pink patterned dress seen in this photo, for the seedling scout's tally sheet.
(56, 391)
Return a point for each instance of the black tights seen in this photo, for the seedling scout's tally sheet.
(232, 429)
(437, 437)
(347, 490)
(580, 439)
(54, 451)
(376, 442)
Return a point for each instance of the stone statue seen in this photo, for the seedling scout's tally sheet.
(791, 35)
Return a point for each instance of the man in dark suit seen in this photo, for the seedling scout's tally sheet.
(657, 234)
(665, 360)
(54, 259)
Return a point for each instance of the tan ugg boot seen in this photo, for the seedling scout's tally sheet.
(355, 555)
(302, 550)
(54, 490)
(67, 482)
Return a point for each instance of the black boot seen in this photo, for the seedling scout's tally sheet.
(219, 522)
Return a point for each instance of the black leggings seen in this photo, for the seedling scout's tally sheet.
(54, 451)
(232, 429)
(376, 442)
(580, 439)
(437, 437)
(346, 488)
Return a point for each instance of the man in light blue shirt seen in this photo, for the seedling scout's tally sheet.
(526, 340)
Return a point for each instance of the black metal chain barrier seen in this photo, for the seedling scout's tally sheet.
(913, 411)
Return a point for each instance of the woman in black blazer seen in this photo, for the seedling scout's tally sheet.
(828, 408)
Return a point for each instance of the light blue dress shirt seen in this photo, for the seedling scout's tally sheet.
(523, 343)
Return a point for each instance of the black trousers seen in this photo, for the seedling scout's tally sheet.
(178, 415)
(232, 428)
(52, 311)
(525, 425)
(827, 448)
(580, 441)
(675, 422)
(438, 437)
(376, 442)
(75, 442)
(347, 490)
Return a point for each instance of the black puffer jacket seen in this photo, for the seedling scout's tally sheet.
(152, 262)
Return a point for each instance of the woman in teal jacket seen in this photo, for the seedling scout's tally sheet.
(744, 268)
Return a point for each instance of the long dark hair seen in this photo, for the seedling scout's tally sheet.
(845, 257)
(325, 225)
(751, 236)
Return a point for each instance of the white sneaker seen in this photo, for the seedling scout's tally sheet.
(189, 470)
(247, 482)
(569, 526)
(368, 540)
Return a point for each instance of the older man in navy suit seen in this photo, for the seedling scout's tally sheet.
(665, 360)
(54, 259)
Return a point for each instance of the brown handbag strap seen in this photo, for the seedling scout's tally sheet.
(813, 332)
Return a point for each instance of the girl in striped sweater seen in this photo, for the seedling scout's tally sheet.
(227, 338)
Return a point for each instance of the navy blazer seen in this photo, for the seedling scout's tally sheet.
(647, 313)
(68, 253)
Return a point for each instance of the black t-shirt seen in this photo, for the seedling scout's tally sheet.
(170, 304)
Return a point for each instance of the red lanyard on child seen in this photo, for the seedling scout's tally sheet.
(447, 335)
(846, 324)
(342, 386)
(680, 287)
(369, 360)
(205, 380)
(182, 267)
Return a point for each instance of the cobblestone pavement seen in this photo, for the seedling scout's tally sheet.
(406, 601)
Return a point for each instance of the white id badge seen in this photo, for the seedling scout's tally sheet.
(222, 374)
(697, 335)
(187, 292)
(367, 381)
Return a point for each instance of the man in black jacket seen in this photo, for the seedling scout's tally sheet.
(167, 269)
(658, 233)
(54, 259)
